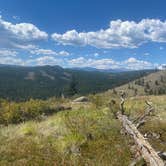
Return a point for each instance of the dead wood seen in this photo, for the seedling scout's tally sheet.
(145, 149)
(142, 119)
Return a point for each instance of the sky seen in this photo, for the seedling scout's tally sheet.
(103, 34)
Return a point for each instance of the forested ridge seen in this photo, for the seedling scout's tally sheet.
(22, 83)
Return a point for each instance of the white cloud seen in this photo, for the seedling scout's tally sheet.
(19, 34)
(70, 38)
(125, 34)
(162, 67)
(16, 17)
(11, 61)
(106, 63)
(64, 53)
(96, 54)
(43, 52)
(44, 60)
(5, 52)
(147, 54)
(40, 51)
(96, 63)
(131, 63)
(27, 47)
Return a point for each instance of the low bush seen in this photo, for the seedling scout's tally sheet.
(12, 112)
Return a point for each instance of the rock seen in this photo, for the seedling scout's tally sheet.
(62, 108)
(81, 99)
(75, 149)
(162, 155)
(156, 135)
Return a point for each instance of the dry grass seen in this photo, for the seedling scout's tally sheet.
(156, 82)
(84, 136)
(156, 123)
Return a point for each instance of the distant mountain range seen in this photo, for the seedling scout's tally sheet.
(102, 70)
(22, 83)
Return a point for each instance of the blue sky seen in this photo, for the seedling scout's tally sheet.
(83, 33)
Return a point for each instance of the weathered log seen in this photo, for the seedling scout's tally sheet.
(136, 161)
(145, 149)
(141, 120)
(123, 95)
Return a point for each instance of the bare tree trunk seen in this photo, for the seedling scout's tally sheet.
(145, 149)
(141, 120)
(122, 102)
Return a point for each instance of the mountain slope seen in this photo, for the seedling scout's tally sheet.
(154, 83)
(21, 83)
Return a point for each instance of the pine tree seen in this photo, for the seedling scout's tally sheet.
(73, 87)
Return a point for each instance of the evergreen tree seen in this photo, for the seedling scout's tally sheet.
(73, 87)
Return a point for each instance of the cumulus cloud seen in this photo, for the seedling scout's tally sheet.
(43, 52)
(105, 63)
(40, 51)
(11, 60)
(44, 60)
(96, 63)
(70, 38)
(64, 53)
(19, 34)
(119, 34)
(131, 63)
(5, 52)
(27, 47)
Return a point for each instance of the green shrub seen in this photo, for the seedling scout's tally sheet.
(12, 112)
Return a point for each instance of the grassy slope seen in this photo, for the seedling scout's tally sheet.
(83, 136)
(156, 123)
(135, 107)
(150, 79)
(88, 134)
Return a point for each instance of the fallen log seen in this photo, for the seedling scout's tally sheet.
(141, 120)
(144, 148)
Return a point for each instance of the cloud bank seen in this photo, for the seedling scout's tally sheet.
(107, 63)
(119, 34)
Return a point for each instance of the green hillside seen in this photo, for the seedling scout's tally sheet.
(22, 83)
(152, 84)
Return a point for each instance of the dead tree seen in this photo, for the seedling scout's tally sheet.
(144, 148)
(141, 120)
(123, 95)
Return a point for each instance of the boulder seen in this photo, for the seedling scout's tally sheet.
(81, 99)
